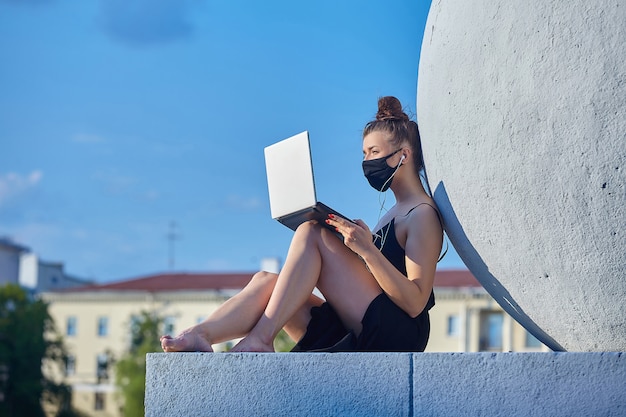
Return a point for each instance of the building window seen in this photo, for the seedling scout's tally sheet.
(168, 325)
(134, 323)
(453, 325)
(70, 365)
(4, 379)
(103, 326)
(102, 367)
(532, 341)
(135, 326)
(71, 326)
(99, 401)
(491, 331)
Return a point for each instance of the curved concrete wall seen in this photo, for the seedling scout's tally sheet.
(521, 108)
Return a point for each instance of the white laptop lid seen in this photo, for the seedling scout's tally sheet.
(290, 175)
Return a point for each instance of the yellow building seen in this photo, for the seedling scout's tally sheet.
(467, 319)
(95, 323)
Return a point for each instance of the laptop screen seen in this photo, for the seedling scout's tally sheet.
(290, 175)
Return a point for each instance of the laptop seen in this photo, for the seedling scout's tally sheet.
(291, 185)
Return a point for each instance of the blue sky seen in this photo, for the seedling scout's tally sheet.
(118, 117)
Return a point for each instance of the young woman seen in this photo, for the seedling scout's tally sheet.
(378, 286)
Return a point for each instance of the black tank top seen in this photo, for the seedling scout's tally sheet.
(395, 254)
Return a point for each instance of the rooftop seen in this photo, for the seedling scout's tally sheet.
(8, 244)
(179, 281)
(455, 278)
(173, 281)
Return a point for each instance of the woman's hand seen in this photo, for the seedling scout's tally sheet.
(356, 235)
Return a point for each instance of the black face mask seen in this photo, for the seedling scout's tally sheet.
(378, 173)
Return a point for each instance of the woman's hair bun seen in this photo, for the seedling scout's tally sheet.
(389, 108)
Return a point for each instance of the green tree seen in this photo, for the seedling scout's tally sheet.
(130, 375)
(283, 343)
(24, 349)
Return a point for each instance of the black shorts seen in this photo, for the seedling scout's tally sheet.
(386, 328)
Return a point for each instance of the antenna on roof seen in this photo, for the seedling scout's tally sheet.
(172, 236)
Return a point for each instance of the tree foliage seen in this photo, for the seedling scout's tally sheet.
(283, 343)
(130, 370)
(130, 375)
(24, 349)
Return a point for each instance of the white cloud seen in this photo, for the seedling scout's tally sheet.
(217, 264)
(27, 2)
(150, 195)
(87, 138)
(39, 237)
(146, 22)
(238, 202)
(13, 184)
(114, 182)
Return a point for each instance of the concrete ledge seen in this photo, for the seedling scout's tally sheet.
(386, 384)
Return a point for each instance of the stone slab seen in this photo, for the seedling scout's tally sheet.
(386, 384)
(519, 384)
(204, 384)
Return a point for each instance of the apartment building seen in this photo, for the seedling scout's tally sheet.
(467, 319)
(95, 322)
(19, 265)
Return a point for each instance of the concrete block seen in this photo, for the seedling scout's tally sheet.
(321, 384)
(386, 384)
(519, 384)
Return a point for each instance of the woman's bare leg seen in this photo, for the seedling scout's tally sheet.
(316, 258)
(236, 317)
(231, 320)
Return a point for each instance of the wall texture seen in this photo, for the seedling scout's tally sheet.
(522, 111)
(386, 384)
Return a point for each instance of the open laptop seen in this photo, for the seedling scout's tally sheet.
(291, 185)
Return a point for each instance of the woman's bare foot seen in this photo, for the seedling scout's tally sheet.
(186, 341)
(252, 344)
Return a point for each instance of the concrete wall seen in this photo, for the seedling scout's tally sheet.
(9, 262)
(386, 384)
(523, 121)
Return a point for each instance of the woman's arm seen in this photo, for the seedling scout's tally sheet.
(422, 248)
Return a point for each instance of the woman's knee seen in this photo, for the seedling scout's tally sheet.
(309, 230)
(308, 227)
(264, 278)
